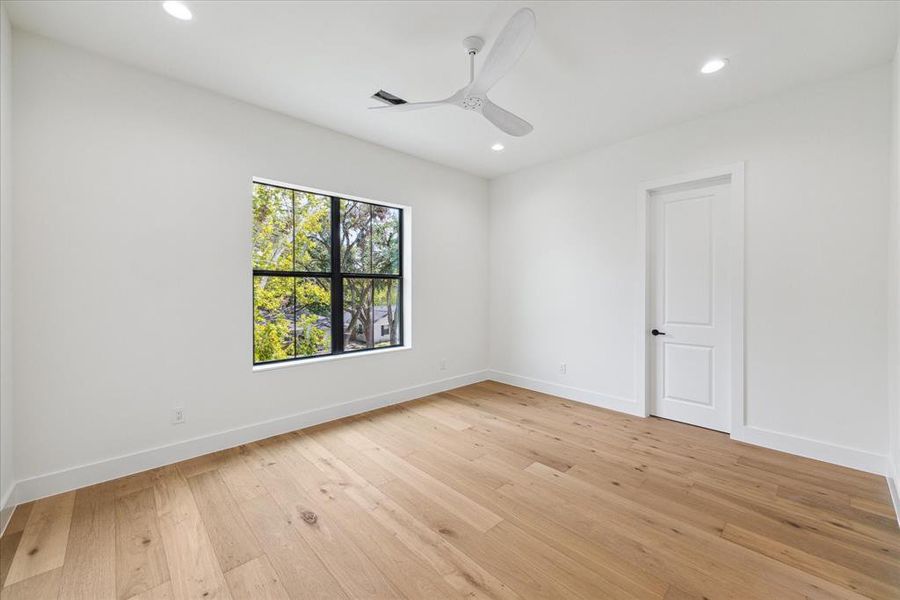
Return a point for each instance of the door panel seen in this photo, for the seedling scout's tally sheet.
(689, 306)
(688, 373)
(688, 261)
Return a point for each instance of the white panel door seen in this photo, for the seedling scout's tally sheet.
(689, 306)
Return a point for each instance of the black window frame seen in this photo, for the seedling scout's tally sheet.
(335, 276)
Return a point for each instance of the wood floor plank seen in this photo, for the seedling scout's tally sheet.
(726, 561)
(161, 592)
(8, 545)
(130, 484)
(674, 593)
(334, 440)
(89, 570)
(141, 564)
(309, 514)
(19, 518)
(192, 564)
(241, 481)
(203, 464)
(298, 568)
(44, 539)
(465, 475)
(43, 586)
(883, 509)
(799, 536)
(794, 475)
(823, 568)
(255, 580)
(479, 517)
(416, 428)
(454, 566)
(529, 573)
(484, 491)
(232, 540)
(409, 574)
(436, 414)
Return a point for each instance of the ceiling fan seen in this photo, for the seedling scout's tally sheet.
(510, 45)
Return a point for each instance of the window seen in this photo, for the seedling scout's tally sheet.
(327, 274)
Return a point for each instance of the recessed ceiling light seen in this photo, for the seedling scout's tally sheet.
(714, 65)
(497, 147)
(177, 10)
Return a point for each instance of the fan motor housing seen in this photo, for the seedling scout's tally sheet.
(472, 103)
(473, 44)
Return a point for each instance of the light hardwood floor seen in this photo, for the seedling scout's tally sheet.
(487, 491)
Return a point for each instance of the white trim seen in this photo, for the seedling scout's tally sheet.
(893, 481)
(738, 296)
(640, 317)
(7, 505)
(895, 495)
(326, 358)
(735, 175)
(105, 470)
(815, 449)
(593, 398)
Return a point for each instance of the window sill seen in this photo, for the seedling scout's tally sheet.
(329, 358)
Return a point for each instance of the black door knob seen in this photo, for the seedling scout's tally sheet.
(657, 332)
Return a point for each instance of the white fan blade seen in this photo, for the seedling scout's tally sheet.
(510, 45)
(505, 120)
(409, 106)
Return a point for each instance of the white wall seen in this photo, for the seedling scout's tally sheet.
(6, 385)
(132, 263)
(563, 256)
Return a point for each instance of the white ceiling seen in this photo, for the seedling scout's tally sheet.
(596, 72)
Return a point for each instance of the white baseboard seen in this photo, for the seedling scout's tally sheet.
(815, 449)
(624, 405)
(105, 470)
(894, 481)
(7, 506)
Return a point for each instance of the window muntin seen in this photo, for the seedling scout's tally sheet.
(320, 260)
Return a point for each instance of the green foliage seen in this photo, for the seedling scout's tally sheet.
(310, 339)
(312, 243)
(273, 228)
(277, 213)
(273, 329)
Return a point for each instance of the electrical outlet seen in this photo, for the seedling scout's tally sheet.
(562, 368)
(178, 416)
(443, 364)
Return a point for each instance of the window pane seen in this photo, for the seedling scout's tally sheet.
(273, 318)
(356, 244)
(385, 240)
(313, 316)
(273, 228)
(386, 313)
(359, 327)
(312, 222)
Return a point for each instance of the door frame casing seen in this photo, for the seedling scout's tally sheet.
(735, 234)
